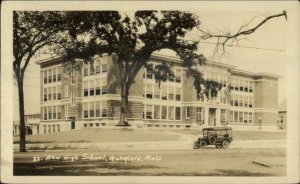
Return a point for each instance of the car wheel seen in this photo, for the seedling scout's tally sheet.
(225, 144)
(219, 146)
(196, 146)
(203, 144)
(212, 140)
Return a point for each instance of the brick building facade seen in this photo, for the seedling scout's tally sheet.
(88, 96)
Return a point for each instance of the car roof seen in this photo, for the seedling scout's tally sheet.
(218, 128)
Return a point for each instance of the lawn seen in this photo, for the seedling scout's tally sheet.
(100, 135)
(237, 135)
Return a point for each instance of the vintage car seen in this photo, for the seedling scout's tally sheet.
(218, 136)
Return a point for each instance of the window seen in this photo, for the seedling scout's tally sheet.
(85, 110)
(86, 70)
(236, 84)
(164, 93)
(177, 113)
(250, 87)
(66, 90)
(92, 89)
(58, 128)
(49, 93)
(49, 76)
(223, 115)
(54, 112)
(199, 115)
(245, 117)
(49, 113)
(178, 75)
(241, 103)
(246, 101)
(45, 129)
(187, 112)
(178, 94)
(171, 93)
(98, 109)
(45, 113)
(104, 109)
(73, 98)
(241, 85)
(98, 68)
(171, 78)
(45, 77)
(58, 74)
(156, 92)
(231, 116)
(85, 88)
(156, 112)
(250, 117)
(104, 66)
(149, 91)
(58, 112)
(171, 113)
(236, 116)
(92, 70)
(148, 111)
(45, 94)
(250, 102)
(149, 74)
(104, 86)
(54, 75)
(92, 109)
(58, 93)
(236, 102)
(98, 84)
(246, 86)
(164, 112)
(49, 128)
(54, 93)
(241, 117)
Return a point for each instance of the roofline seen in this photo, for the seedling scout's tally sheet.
(232, 68)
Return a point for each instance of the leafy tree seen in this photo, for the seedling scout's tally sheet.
(32, 32)
(132, 39)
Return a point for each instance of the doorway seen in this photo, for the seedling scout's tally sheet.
(212, 117)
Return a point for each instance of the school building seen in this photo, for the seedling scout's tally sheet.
(88, 96)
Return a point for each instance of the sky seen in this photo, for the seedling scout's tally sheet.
(271, 35)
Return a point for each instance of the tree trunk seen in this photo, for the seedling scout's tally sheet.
(123, 104)
(21, 113)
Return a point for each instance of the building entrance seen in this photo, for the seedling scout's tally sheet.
(212, 117)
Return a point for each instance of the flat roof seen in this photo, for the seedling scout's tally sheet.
(158, 56)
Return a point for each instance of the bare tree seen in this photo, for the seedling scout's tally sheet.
(223, 39)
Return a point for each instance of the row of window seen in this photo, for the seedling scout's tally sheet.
(51, 128)
(54, 112)
(241, 117)
(176, 78)
(241, 101)
(52, 75)
(95, 109)
(52, 93)
(237, 84)
(152, 91)
(97, 68)
(162, 112)
(222, 98)
(95, 87)
(215, 76)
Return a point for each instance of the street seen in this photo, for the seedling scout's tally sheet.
(207, 162)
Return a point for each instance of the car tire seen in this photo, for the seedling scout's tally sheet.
(212, 140)
(225, 144)
(203, 144)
